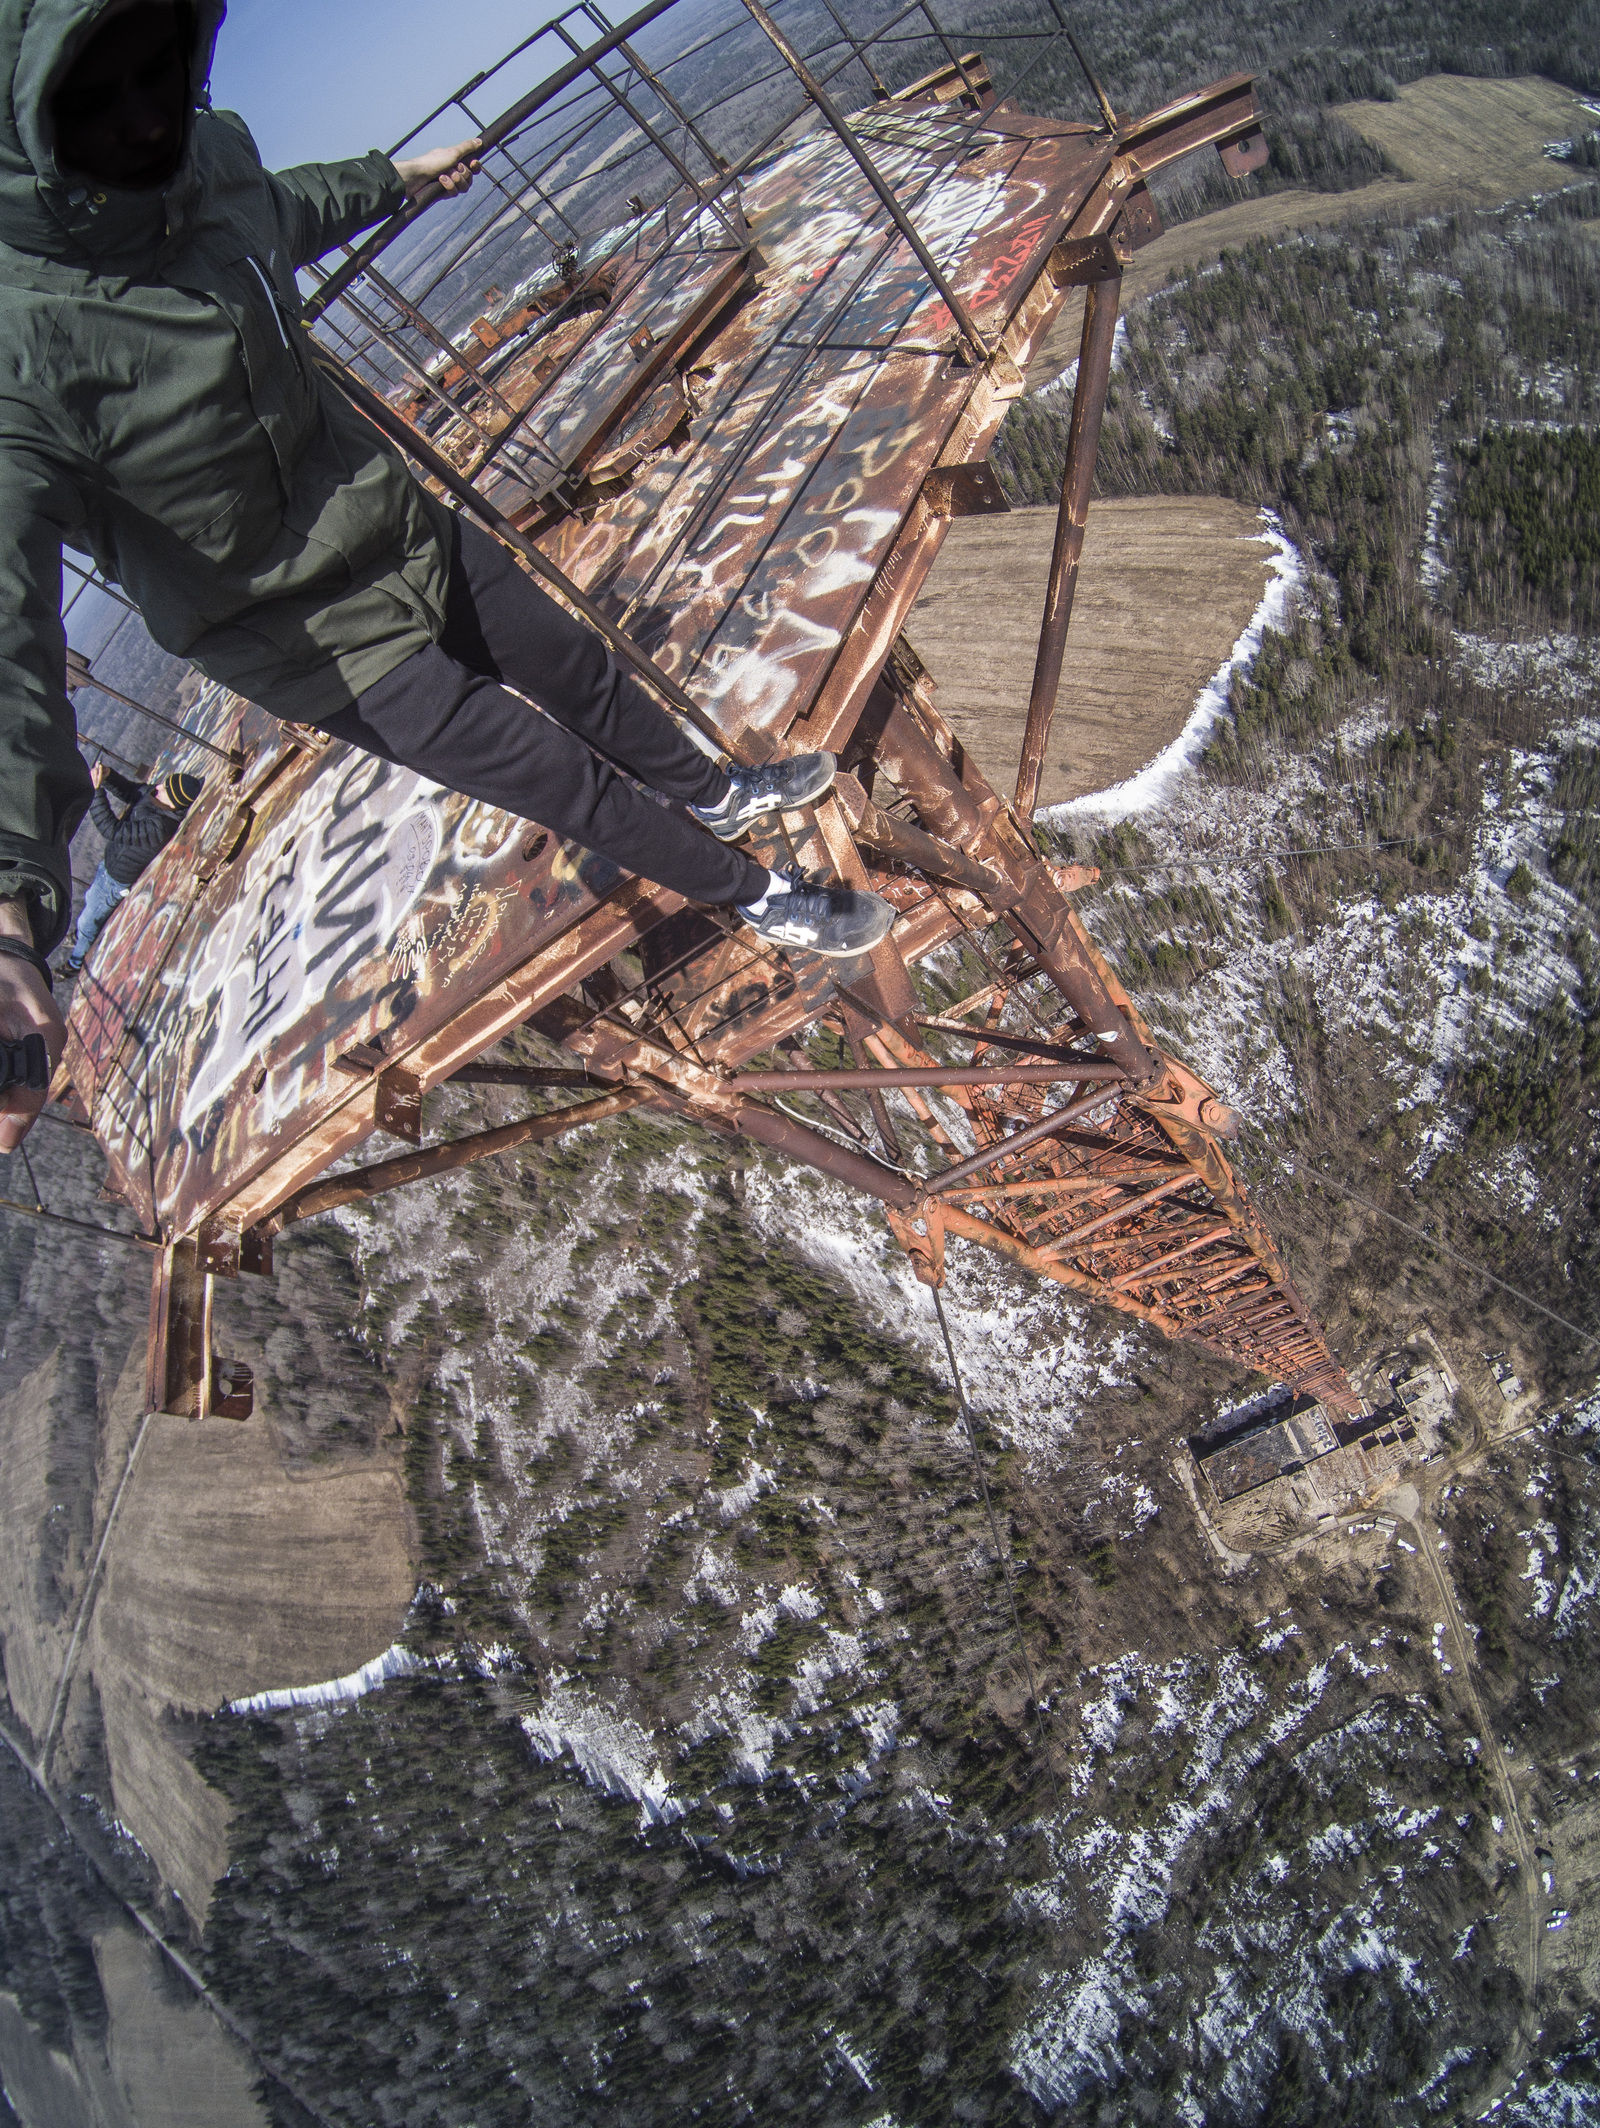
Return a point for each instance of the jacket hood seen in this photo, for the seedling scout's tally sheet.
(49, 213)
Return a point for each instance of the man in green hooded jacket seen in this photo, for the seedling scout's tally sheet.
(160, 412)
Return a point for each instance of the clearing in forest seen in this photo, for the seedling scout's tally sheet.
(1455, 140)
(226, 1574)
(1168, 585)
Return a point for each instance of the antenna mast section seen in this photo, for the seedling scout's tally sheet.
(720, 349)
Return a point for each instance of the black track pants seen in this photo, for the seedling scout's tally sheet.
(444, 714)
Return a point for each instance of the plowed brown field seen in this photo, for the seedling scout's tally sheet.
(1167, 586)
(225, 1576)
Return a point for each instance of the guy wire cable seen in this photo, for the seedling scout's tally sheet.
(86, 1604)
(80, 1226)
(1003, 1556)
(1221, 864)
(39, 1204)
(1466, 1262)
(40, 1210)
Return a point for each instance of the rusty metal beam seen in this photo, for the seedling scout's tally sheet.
(1223, 114)
(1031, 1259)
(520, 1075)
(1172, 1256)
(182, 1373)
(963, 811)
(1077, 479)
(364, 1182)
(991, 1038)
(1083, 1184)
(783, 1135)
(1161, 1278)
(789, 1082)
(1066, 1243)
(1017, 1142)
(730, 1115)
(902, 843)
(382, 416)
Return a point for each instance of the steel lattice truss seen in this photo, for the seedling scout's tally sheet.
(749, 366)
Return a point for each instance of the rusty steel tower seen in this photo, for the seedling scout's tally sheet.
(719, 350)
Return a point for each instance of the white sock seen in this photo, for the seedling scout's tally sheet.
(776, 884)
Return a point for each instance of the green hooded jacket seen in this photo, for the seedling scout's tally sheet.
(159, 411)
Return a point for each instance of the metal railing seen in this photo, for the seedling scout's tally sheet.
(639, 140)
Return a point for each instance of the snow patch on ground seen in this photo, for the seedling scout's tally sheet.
(1562, 2101)
(1513, 1178)
(1578, 1592)
(713, 1576)
(1434, 567)
(1030, 1360)
(1159, 779)
(1428, 984)
(836, 1655)
(1071, 2040)
(1567, 665)
(739, 1499)
(394, 1662)
(759, 1624)
(611, 1750)
(1124, 1879)
(1335, 1843)
(1543, 1541)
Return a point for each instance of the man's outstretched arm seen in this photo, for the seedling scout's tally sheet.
(322, 205)
(104, 817)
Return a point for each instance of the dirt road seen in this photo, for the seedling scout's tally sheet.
(1460, 1641)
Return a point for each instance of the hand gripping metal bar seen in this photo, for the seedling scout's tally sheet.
(490, 136)
(25, 1064)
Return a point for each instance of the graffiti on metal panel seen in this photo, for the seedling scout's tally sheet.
(460, 936)
(341, 874)
(756, 552)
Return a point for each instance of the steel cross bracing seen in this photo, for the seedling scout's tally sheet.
(734, 422)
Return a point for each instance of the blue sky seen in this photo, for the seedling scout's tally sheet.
(319, 79)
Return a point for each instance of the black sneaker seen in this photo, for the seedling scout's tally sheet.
(840, 922)
(775, 787)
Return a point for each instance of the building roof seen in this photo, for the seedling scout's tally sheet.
(1253, 1459)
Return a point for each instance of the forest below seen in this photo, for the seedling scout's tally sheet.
(1418, 406)
(634, 1416)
